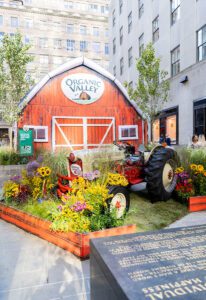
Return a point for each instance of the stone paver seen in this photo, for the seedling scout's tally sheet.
(33, 269)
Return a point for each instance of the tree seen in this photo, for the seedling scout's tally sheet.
(14, 82)
(151, 90)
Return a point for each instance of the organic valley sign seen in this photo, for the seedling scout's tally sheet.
(82, 88)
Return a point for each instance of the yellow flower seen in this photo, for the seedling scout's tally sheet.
(193, 167)
(204, 174)
(200, 168)
(179, 170)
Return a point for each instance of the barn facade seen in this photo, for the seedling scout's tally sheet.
(80, 106)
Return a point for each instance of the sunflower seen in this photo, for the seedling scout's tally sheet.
(200, 168)
(193, 167)
(47, 171)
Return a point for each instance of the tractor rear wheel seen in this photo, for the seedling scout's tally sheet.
(120, 200)
(160, 174)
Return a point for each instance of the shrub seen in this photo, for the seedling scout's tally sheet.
(10, 157)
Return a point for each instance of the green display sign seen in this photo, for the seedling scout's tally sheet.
(25, 138)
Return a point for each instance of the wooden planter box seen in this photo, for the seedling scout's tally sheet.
(77, 243)
(197, 203)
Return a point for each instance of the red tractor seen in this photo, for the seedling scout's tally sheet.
(156, 168)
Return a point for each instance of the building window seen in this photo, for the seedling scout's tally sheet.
(130, 22)
(40, 133)
(141, 7)
(83, 29)
(1, 37)
(200, 117)
(155, 29)
(70, 45)
(83, 45)
(106, 33)
(70, 28)
(28, 23)
(26, 39)
(96, 31)
(106, 49)
(43, 42)
(57, 60)
(114, 70)
(175, 11)
(1, 20)
(141, 44)
(44, 59)
(96, 47)
(128, 132)
(27, 1)
(121, 35)
(113, 18)
(120, 6)
(130, 57)
(14, 22)
(166, 125)
(121, 66)
(201, 43)
(57, 43)
(114, 46)
(175, 61)
(93, 7)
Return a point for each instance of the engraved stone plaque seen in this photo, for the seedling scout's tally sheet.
(158, 265)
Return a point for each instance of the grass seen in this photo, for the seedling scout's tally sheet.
(153, 216)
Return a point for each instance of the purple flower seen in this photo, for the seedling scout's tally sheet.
(16, 178)
(96, 173)
(88, 176)
(40, 200)
(78, 206)
(40, 158)
(31, 167)
(59, 207)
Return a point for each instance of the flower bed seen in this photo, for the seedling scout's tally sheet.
(77, 243)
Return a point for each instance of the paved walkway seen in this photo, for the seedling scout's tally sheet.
(31, 268)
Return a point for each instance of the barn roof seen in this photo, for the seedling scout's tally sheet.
(80, 61)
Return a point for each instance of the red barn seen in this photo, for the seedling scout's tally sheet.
(81, 105)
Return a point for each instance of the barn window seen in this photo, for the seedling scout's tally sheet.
(40, 133)
(128, 132)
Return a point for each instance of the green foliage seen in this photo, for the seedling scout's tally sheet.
(151, 89)
(105, 220)
(11, 157)
(190, 156)
(57, 162)
(41, 210)
(14, 83)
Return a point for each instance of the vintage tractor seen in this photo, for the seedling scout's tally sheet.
(155, 167)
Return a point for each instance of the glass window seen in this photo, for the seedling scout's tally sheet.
(70, 45)
(141, 7)
(96, 47)
(155, 29)
(26, 39)
(201, 43)
(175, 11)
(57, 43)
(121, 66)
(1, 20)
(175, 61)
(57, 60)
(106, 49)
(40, 133)
(43, 42)
(121, 35)
(96, 31)
(128, 132)
(14, 22)
(130, 57)
(106, 32)
(44, 59)
(70, 28)
(130, 22)
(27, 1)
(93, 7)
(28, 23)
(83, 29)
(113, 18)
(1, 37)
(120, 6)
(141, 44)
(114, 46)
(83, 46)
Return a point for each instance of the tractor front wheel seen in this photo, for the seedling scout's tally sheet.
(120, 200)
(160, 173)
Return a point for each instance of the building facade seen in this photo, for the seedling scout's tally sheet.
(177, 29)
(58, 30)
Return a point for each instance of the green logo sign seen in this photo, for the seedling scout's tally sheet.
(25, 139)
